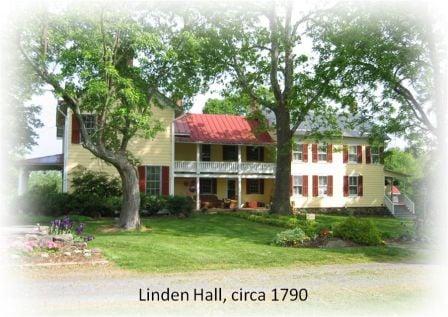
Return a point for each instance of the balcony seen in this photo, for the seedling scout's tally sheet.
(224, 167)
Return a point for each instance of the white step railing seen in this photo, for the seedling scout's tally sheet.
(389, 204)
(409, 204)
(224, 167)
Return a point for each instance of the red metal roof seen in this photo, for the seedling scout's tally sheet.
(219, 128)
(395, 190)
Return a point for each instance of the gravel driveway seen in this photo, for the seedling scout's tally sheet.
(373, 288)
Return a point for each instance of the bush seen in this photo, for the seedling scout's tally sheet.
(361, 231)
(94, 206)
(40, 202)
(152, 204)
(291, 238)
(86, 182)
(178, 205)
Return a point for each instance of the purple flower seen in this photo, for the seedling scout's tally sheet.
(80, 229)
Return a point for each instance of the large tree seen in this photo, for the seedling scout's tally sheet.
(115, 64)
(265, 52)
(393, 64)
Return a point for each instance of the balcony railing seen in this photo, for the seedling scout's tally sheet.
(224, 167)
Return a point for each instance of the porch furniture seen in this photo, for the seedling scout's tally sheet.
(211, 201)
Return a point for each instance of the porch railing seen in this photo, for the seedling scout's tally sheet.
(224, 167)
(389, 204)
(409, 204)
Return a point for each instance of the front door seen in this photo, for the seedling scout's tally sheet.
(231, 190)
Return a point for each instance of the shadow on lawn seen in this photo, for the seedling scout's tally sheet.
(240, 230)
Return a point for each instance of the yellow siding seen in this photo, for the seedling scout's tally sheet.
(373, 180)
(150, 152)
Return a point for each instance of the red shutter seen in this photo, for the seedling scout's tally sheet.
(261, 186)
(305, 152)
(314, 152)
(329, 153)
(368, 155)
(345, 186)
(75, 130)
(330, 185)
(142, 178)
(345, 154)
(305, 185)
(165, 180)
(360, 187)
(381, 151)
(359, 153)
(315, 186)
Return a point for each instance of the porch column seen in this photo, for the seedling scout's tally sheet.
(23, 181)
(198, 193)
(239, 177)
(198, 157)
(198, 181)
(239, 192)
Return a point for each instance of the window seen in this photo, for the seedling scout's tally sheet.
(205, 152)
(297, 152)
(323, 185)
(230, 153)
(375, 154)
(298, 185)
(254, 186)
(353, 185)
(208, 186)
(254, 153)
(153, 180)
(352, 154)
(90, 124)
(322, 152)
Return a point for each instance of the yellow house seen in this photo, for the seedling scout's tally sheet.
(227, 161)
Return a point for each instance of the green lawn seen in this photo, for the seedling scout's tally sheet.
(204, 242)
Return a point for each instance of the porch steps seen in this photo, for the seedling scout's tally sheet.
(401, 211)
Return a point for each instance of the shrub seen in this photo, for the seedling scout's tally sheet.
(178, 205)
(152, 204)
(94, 206)
(291, 238)
(86, 182)
(361, 231)
(40, 202)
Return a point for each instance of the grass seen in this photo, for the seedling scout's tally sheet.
(207, 242)
(389, 227)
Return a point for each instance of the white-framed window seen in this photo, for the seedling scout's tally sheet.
(322, 185)
(353, 185)
(298, 185)
(322, 152)
(208, 186)
(89, 123)
(206, 152)
(254, 153)
(375, 154)
(352, 154)
(153, 180)
(255, 186)
(297, 152)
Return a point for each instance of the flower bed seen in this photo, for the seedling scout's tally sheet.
(63, 241)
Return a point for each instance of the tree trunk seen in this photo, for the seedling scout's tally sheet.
(129, 216)
(281, 203)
